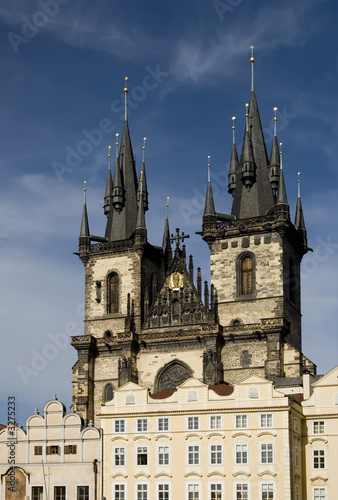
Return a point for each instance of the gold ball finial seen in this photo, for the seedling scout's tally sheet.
(280, 145)
(109, 148)
(298, 173)
(167, 205)
(275, 110)
(252, 59)
(233, 122)
(246, 106)
(117, 139)
(125, 84)
(144, 143)
(84, 182)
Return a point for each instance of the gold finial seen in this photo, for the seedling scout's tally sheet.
(233, 122)
(252, 59)
(125, 84)
(298, 182)
(117, 139)
(247, 108)
(275, 110)
(144, 143)
(208, 168)
(209, 161)
(109, 148)
(280, 148)
(275, 121)
(167, 205)
(84, 182)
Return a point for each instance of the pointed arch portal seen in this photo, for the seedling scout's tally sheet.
(172, 375)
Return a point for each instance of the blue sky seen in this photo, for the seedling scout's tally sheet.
(63, 67)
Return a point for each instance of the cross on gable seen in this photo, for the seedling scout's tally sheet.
(178, 238)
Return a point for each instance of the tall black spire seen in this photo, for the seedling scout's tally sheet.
(209, 208)
(281, 197)
(257, 199)
(121, 222)
(274, 164)
(233, 170)
(144, 181)
(299, 217)
(84, 232)
(109, 186)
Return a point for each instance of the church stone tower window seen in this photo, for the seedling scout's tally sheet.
(245, 275)
(109, 392)
(113, 293)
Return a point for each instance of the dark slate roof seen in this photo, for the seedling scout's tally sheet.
(209, 208)
(84, 232)
(281, 198)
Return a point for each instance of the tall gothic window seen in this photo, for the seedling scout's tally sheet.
(292, 281)
(246, 276)
(113, 293)
(109, 392)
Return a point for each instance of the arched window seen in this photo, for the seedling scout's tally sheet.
(153, 287)
(109, 392)
(172, 375)
(246, 276)
(245, 270)
(245, 358)
(113, 293)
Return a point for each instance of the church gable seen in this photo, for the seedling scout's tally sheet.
(178, 302)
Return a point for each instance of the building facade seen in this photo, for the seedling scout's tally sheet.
(55, 458)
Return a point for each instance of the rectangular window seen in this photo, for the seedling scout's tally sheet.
(83, 493)
(267, 492)
(267, 453)
(215, 422)
(242, 491)
(193, 423)
(163, 492)
(119, 426)
(241, 421)
(266, 420)
(37, 450)
(142, 491)
(242, 453)
(163, 424)
(59, 493)
(70, 449)
(119, 456)
(53, 450)
(142, 425)
(318, 459)
(141, 455)
(163, 455)
(37, 492)
(193, 492)
(318, 427)
(119, 492)
(194, 454)
(216, 454)
(216, 491)
(319, 494)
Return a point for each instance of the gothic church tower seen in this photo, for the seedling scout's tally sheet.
(149, 320)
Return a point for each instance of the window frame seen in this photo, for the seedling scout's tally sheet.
(159, 419)
(62, 497)
(117, 423)
(318, 422)
(142, 451)
(144, 426)
(242, 444)
(39, 493)
(266, 454)
(273, 489)
(320, 459)
(236, 491)
(145, 489)
(116, 308)
(119, 455)
(240, 276)
(213, 493)
(115, 491)
(164, 454)
(196, 489)
(193, 419)
(194, 454)
(241, 417)
(266, 415)
(167, 490)
(78, 492)
(218, 454)
(319, 496)
(218, 418)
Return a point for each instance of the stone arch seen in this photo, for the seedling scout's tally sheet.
(108, 392)
(172, 375)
